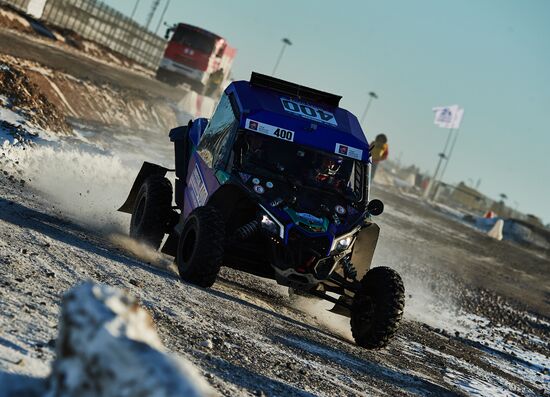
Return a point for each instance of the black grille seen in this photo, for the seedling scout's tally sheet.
(303, 251)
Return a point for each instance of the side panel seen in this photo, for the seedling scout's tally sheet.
(201, 184)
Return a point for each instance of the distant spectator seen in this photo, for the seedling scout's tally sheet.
(379, 151)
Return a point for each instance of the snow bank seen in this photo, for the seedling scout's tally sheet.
(107, 346)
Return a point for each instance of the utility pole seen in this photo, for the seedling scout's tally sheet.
(286, 42)
(450, 153)
(372, 95)
(134, 10)
(151, 14)
(162, 16)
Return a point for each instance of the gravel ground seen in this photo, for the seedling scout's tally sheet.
(477, 316)
(247, 336)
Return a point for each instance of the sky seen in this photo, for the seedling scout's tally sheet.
(490, 57)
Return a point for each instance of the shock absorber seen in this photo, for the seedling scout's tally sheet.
(349, 270)
(247, 230)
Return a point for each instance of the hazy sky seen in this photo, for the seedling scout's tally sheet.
(491, 57)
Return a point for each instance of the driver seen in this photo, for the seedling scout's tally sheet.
(328, 172)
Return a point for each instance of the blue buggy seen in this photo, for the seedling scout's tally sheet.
(275, 184)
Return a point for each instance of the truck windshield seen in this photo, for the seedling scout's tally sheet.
(193, 38)
(299, 165)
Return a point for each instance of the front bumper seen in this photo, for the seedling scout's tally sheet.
(304, 261)
(187, 71)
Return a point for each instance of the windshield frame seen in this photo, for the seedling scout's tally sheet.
(359, 174)
(205, 38)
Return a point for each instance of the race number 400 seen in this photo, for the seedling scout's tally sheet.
(308, 111)
(271, 130)
(284, 134)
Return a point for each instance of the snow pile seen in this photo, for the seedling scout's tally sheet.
(107, 346)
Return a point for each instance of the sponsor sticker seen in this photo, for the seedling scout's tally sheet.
(270, 130)
(244, 176)
(310, 218)
(308, 111)
(198, 187)
(348, 151)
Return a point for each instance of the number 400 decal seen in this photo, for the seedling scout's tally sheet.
(308, 111)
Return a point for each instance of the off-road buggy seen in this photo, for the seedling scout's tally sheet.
(275, 184)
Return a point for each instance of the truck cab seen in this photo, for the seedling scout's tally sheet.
(196, 57)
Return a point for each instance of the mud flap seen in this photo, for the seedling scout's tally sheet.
(147, 169)
(363, 252)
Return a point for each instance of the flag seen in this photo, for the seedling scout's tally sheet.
(458, 119)
(448, 116)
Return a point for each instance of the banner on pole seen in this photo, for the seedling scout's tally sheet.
(458, 119)
(448, 116)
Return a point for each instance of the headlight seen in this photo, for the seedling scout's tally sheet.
(343, 244)
(269, 225)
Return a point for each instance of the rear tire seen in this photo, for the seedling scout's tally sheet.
(377, 308)
(152, 211)
(200, 247)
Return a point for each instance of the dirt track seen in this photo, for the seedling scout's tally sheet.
(476, 316)
(85, 68)
(515, 272)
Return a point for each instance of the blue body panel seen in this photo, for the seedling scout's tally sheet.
(197, 128)
(266, 106)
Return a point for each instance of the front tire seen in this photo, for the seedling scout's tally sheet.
(200, 247)
(152, 211)
(377, 308)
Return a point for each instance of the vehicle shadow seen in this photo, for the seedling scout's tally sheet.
(512, 359)
(253, 381)
(17, 385)
(282, 317)
(315, 350)
(69, 233)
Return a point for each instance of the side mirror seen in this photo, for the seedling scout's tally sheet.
(375, 207)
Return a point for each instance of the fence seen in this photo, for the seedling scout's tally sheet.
(98, 22)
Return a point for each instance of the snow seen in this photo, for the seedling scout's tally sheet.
(104, 332)
(241, 336)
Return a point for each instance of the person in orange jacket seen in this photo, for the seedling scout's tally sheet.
(379, 151)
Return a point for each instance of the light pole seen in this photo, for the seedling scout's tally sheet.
(372, 95)
(134, 10)
(162, 16)
(285, 43)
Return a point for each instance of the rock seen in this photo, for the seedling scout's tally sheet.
(207, 344)
(104, 332)
(134, 282)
